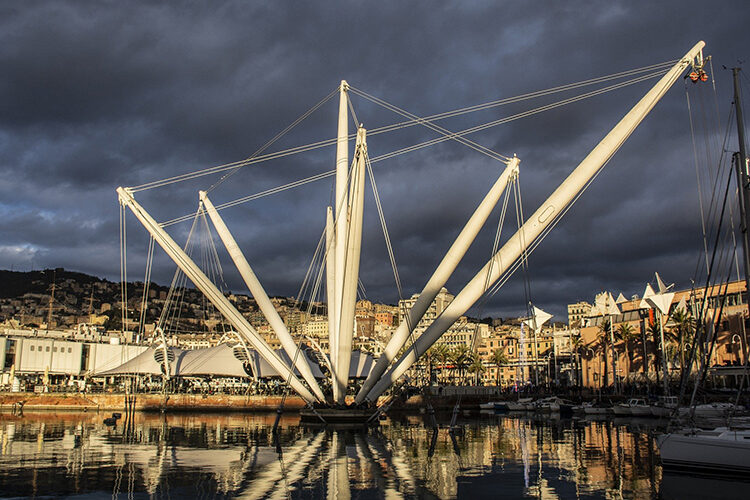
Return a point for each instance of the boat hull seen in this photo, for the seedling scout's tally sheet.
(593, 410)
(697, 452)
(622, 411)
(343, 417)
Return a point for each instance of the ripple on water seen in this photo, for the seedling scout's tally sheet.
(217, 456)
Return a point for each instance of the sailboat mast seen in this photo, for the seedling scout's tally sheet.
(743, 179)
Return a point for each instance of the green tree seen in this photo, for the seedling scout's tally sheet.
(461, 356)
(441, 355)
(604, 341)
(652, 331)
(627, 334)
(575, 347)
(683, 328)
(499, 358)
(114, 319)
(477, 368)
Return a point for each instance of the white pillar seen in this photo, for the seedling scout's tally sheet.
(204, 284)
(330, 286)
(440, 276)
(537, 223)
(351, 270)
(342, 174)
(261, 298)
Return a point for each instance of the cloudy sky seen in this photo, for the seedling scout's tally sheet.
(95, 95)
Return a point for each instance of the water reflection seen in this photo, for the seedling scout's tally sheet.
(210, 455)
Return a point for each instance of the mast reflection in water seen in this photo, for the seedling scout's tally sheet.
(210, 455)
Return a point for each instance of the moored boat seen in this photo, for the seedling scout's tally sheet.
(495, 405)
(635, 407)
(664, 407)
(598, 408)
(721, 449)
(523, 404)
(710, 410)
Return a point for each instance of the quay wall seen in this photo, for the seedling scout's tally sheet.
(146, 402)
(197, 402)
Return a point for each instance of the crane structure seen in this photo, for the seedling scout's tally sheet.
(343, 243)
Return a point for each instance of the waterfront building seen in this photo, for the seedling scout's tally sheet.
(317, 327)
(385, 318)
(637, 338)
(578, 311)
(438, 305)
(528, 360)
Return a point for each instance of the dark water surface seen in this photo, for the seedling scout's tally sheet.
(236, 455)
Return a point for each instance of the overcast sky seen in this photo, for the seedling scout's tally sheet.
(95, 95)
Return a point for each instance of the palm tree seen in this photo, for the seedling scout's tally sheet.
(682, 330)
(442, 357)
(498, 358)
(627, 334)
(575, 346)
(462, 358)
(429, 358)
(604, 341)
(477, 368)
(653, 332)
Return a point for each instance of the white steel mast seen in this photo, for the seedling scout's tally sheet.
(204, 284)
(440, 276)
(351, 269)
(330, 286)
(261, 298)
(547, 213)
(340, 220)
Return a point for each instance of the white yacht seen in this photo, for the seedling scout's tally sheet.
(665, 406)
(711, 410)
(635, 407)
(722, 449)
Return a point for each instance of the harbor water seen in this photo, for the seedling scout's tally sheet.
(211, 455)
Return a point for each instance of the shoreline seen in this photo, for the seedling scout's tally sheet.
(9, 402)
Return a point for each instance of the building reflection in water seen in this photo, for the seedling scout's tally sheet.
(211, 455)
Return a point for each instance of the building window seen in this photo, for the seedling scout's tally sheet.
(47, 349)
(31, 348)
(54, 349)
(70, 349)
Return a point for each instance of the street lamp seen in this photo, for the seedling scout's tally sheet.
(736, 339)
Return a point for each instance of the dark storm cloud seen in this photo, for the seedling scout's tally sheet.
(96, 95)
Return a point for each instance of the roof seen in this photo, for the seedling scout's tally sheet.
(223, 360)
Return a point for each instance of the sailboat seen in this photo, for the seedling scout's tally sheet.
(342, 236)
(722, 449)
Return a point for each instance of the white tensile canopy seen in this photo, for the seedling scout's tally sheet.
(360, 367)
(223, 360)
(145, 363)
